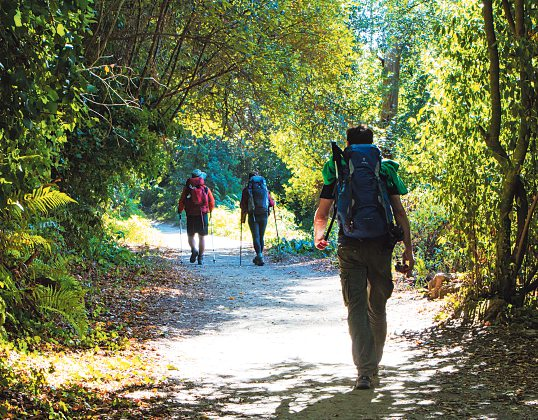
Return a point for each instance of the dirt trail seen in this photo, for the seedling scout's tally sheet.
(272, 342)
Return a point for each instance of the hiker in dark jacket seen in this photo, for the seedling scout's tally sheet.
(363, 254)
(197, 201)
(256, 202)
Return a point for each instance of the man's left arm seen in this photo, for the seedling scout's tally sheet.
(401, 219)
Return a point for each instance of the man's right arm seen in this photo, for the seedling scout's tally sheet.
(401, 218)
(320, 222)
(243, 205)
(181, 202)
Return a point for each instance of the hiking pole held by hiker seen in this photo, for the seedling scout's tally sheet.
(240, 238)
(212, 236)
(276, 225)
(180, 238)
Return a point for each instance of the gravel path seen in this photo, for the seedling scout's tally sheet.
(272, 342)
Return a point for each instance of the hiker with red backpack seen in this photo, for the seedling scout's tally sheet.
(365, 191)
(197, 201)
(256, 203)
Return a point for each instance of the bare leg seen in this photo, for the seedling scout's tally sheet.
(201, 244)
(192, 242)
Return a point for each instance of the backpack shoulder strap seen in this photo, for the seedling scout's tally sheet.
(337, 156)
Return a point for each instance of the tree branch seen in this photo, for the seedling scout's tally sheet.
(509, 17)
(493, 134)
(521, 245)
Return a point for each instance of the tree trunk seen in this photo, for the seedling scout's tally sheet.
(509, 256)
(505, 283)
(391, 84)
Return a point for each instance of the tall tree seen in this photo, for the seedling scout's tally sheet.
(396, 31)
(478, 140)
(520, 43)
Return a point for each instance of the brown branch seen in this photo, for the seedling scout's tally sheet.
(178, 50)
(533, 285)
(199, 82)
(521, 246)
(509, 17)
(103, 42)
(522, 204)
(96, 31)
(138, 45)
(156, 36)
(520, 18)
(131, 55)
(493, 134)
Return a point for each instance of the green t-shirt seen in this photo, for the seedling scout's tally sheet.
(389, 169)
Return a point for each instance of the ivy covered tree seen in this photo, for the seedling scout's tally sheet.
(478, 140)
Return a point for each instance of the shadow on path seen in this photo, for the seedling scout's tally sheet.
(272, 342)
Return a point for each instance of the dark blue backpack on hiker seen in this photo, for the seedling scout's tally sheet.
(258, 195)
(362, 201)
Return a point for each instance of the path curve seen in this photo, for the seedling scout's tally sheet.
(272, 342)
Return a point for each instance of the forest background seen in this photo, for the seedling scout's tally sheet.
(107, 105)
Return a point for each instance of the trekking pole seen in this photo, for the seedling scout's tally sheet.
(240, 239)
(180, 239)
(276, 226)
(212, 237)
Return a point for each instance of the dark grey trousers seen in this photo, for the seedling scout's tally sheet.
(257, 224)
(366, 277)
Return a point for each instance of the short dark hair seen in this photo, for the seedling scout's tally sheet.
(360, 135)
(253, 173)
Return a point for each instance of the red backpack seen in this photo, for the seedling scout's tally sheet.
(197, 199)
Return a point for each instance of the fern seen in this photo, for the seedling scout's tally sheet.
(24, 241)
(25, 258)
(68, 303)
(43, 199)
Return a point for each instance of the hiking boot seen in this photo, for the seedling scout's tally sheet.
(363, 382)
(200, 259)
(194, 254)
(258, 260)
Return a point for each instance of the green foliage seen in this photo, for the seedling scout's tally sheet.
(67, 303)
(299, 247)
(100, 164)
(239, 71)
(450, 153)
(39, 90)
(429, 226)
(227, 164)
(34, 281)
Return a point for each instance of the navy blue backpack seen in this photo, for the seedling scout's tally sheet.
(362, 202)
(258, 195)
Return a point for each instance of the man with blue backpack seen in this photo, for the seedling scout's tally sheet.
(256, 202)
(365, 191)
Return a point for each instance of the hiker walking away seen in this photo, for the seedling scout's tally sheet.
(197, 201)
(256, 202)
(367, 193)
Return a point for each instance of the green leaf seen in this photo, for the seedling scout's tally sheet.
(18, 19)
(60, 29)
